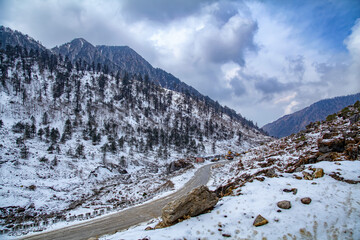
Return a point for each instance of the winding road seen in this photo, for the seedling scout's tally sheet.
(112, 223)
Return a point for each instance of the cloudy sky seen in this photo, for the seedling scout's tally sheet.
(262, 58)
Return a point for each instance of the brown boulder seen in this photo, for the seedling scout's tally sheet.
(284, 204)
(293, 190)
(330, 156)
(306, 200)
(307, 176)
(196, 202)
(352, 151)
(259, 221)
(271, 173)
(318, 173)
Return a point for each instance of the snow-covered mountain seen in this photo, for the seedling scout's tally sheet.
(76, 136)
(123, 59)
(9, 37)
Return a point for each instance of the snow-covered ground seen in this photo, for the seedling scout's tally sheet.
(282, 170)
(333, 213)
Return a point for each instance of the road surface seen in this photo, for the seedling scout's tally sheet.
(112, 223)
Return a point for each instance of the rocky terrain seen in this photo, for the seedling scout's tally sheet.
(304, 186)
(297, 121)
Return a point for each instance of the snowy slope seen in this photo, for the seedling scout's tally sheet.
(278, 171)
(75, 140)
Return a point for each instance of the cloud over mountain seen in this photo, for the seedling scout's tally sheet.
(246, 54)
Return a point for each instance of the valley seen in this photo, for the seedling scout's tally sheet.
(94, 142)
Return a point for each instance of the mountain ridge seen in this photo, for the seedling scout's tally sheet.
(297, 121)
(76, 138)
(117, 58)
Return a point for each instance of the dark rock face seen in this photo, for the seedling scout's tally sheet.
(355, 118)
(196, 202)
(331, 145)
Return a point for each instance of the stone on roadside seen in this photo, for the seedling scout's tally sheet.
(306, 200)
(260, 220)
(196, 202)
(284, 204)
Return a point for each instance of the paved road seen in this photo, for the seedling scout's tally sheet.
(122, 220)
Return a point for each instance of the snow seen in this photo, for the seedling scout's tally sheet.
(347, 169)
(332, 214)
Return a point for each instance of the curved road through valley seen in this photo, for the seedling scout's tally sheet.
(112, 223)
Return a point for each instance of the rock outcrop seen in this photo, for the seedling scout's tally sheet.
(331, 145)
(196, 202)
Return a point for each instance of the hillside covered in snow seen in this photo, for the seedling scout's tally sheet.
(305, 186)
(77, 138)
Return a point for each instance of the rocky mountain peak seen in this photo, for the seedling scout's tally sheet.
(78, 48)
(16, 38)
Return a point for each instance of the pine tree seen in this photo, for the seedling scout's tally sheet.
(79, 151)
(40, 133)
(67, 131)
(54, 135)
(54, 162)
(24, 152)
(45, 119)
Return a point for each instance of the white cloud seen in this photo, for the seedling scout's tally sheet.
(239, 53)
(286, 98)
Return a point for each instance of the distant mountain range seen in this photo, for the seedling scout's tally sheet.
(318, 111)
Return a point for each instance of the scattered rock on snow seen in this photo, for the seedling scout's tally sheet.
(319, 172)
(284, 204)
(306, 200)
(299, 169)
(293, 190)
(196, 202)
(260, 220)
(307, 176)
(330, 156)
(271, 173)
